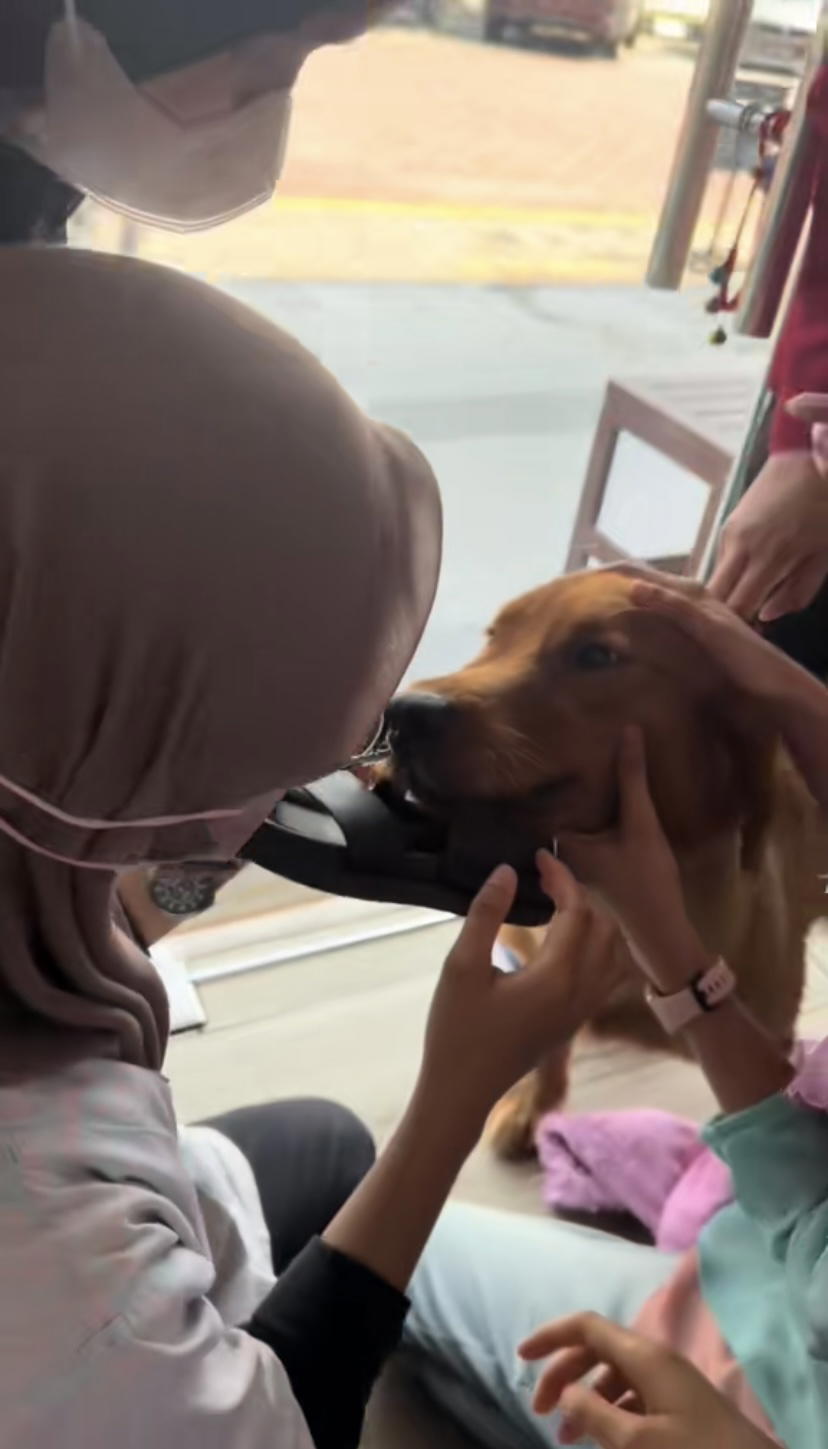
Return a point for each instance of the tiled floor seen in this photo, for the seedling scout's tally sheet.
(348, 1024)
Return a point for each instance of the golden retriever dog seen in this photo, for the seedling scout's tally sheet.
(524, 741)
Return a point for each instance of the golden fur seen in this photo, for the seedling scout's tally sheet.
(530, 744)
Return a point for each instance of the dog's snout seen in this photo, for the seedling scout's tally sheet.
(416, 721)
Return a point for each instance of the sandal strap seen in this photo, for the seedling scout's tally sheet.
(374, 838)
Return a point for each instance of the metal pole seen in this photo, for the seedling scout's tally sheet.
(750, 460)
(715, 69)
(768, 287)
(784, 217)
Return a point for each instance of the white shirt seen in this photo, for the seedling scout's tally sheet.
(115, 1325)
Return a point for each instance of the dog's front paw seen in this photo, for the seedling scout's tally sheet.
(513, 1123)
(510, 1130)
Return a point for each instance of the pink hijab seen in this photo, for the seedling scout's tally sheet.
(214, 571)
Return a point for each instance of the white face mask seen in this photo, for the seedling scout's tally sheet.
(102, 134)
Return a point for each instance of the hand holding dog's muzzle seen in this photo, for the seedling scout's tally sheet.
(633, 869)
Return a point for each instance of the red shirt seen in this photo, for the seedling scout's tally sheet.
(801, 361)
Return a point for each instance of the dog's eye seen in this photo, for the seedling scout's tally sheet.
(596, 656)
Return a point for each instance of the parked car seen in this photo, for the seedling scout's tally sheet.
(780, 35)
(604, 25)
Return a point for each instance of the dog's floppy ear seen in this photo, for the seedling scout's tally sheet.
(726, 749)
(752, 749)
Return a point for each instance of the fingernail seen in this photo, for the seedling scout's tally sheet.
(501, 876)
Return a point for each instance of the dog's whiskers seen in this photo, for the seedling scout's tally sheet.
(513, 756)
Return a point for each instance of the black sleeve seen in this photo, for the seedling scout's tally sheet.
(332, 1323)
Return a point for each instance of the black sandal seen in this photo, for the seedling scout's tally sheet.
(340, 837)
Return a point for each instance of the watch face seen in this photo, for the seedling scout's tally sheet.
(183, 892)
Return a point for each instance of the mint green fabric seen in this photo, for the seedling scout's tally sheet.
(764, 1265)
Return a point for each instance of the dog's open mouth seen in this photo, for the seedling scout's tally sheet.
(412, 788)
(475, 834)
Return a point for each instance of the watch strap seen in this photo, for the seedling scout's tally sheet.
(704, 994)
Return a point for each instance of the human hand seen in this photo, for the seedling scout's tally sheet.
(812, 407)
(745, 659)
(645, 1397)
(634, 870)
(487, 1029)
(773, 552)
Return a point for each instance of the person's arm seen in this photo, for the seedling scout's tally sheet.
(801, 360)
(331, 1319)
(146, 922)
(776, 1148)
(791, 699)
(337, 1312)
(742, 1063)
(331, 1323)
(192, 889)
(777, 1153)
(635, 870)
(633, 867)
(772, 555)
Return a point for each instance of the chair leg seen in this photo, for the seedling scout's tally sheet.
(594, 489)
(708, 523)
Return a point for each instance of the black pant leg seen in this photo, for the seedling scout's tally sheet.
(307, 1157)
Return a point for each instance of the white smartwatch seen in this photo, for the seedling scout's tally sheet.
(705, 993)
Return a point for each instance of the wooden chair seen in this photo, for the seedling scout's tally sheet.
(698, 422)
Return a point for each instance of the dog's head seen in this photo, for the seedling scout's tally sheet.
(526, 736)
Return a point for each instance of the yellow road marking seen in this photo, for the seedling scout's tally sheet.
(464, 211)
(355, 240)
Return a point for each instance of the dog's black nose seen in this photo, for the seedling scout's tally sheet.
(416, 721)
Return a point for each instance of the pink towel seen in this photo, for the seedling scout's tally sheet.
(627, 1162)
(648, 1163)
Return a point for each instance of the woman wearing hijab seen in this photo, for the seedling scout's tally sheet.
(213, 571)
(174, 112)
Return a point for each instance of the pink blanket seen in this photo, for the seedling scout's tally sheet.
(647, 1163)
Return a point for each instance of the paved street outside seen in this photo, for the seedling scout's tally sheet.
(425, 157)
